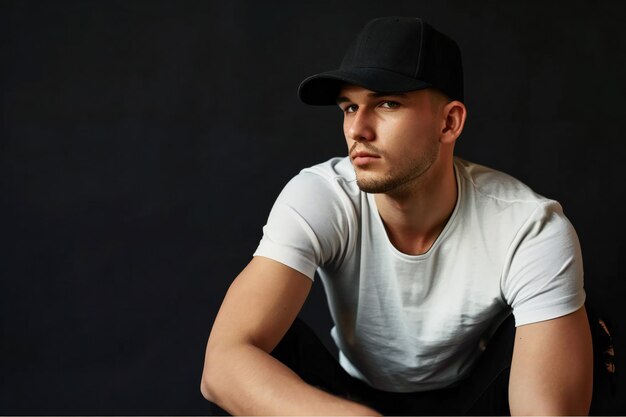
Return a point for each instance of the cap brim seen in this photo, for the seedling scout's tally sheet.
(323, 88)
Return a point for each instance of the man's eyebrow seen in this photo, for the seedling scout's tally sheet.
(373, 94)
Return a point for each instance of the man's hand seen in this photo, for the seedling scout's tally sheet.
(552, 368)
(239, 374)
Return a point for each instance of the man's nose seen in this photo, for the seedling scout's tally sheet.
(360, 127)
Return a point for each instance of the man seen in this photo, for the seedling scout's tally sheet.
(422, 255)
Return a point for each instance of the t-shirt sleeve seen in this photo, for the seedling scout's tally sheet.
(544, 278)
(307, 226)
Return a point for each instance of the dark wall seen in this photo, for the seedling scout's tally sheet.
(143, 144)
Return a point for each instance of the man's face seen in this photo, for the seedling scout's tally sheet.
(393, 139)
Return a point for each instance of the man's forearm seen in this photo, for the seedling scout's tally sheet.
(245, 380)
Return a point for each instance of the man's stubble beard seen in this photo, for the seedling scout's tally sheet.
(394, 181)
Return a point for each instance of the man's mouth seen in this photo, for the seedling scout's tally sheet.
(363, 158)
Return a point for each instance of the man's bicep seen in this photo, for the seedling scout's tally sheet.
(552, 367)
(260, 305)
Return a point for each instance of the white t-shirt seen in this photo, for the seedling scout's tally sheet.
(408, 323)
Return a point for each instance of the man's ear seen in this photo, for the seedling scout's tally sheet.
(454, 114)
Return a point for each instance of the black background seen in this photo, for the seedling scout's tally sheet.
(143, 144)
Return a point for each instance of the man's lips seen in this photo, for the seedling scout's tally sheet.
(362, 158)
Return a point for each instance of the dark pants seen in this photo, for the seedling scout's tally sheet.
(485, 392)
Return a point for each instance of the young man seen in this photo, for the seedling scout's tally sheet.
(422, 255)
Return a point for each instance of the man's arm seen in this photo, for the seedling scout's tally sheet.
(552, 368)
(239, 373)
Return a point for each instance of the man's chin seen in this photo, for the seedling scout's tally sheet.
(373, 186)
(389, 184)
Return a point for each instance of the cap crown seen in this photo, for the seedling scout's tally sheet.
(410, 47)
(387, 44)
(392, 55)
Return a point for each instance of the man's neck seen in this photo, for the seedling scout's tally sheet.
(416, 215)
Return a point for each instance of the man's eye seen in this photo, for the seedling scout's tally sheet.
(390, 104)
(351, 108)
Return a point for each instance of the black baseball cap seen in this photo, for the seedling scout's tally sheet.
(392, 55)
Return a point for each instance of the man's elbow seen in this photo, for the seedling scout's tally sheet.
(208, 382)
(204, 389)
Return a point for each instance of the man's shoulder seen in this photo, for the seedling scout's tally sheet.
(314, 219)
(333, 177)
(327, 188)
(335, 169)
(506, 206)
(497, 186)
